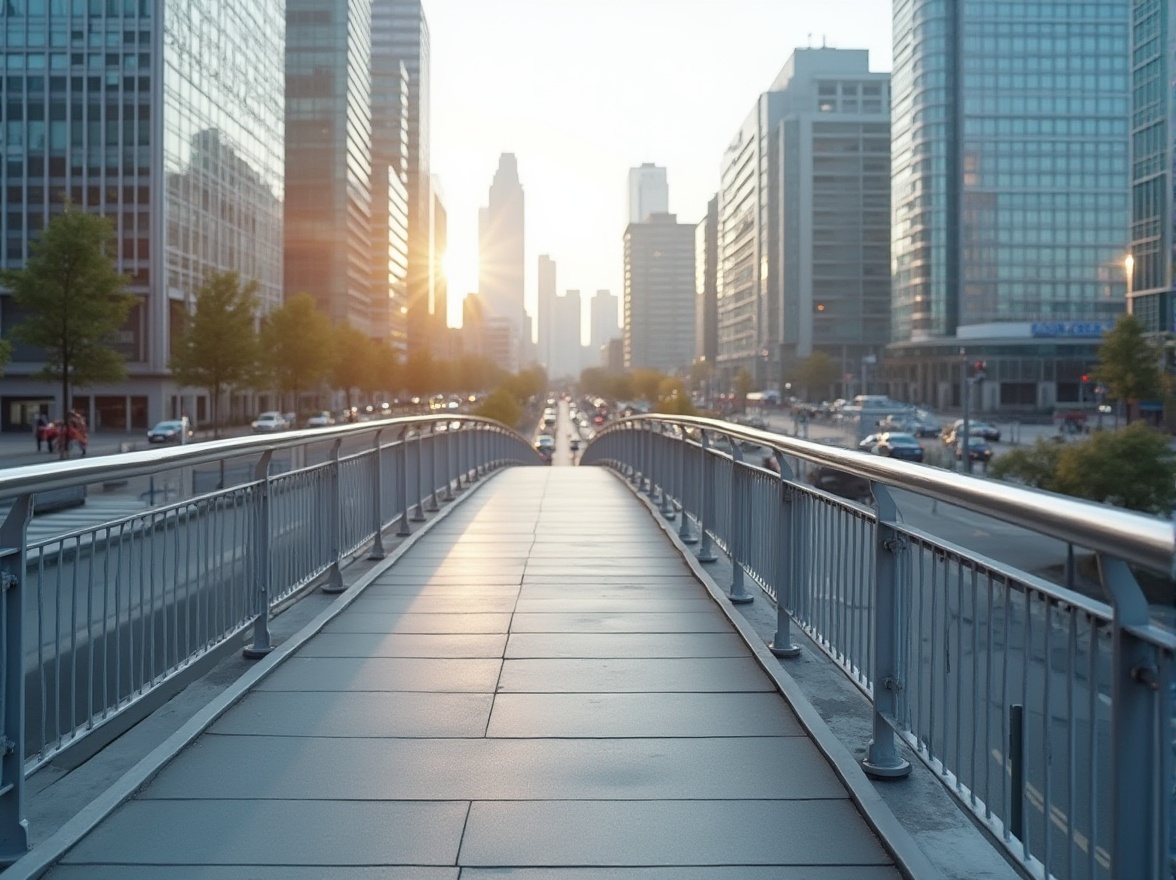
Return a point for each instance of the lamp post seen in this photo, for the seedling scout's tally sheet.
(1129, 273)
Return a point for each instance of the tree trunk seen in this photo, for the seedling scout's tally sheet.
(62, 438)
(214, 410)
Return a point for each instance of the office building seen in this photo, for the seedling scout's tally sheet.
(546, 287)
(1010, 196)
(648, 192)
(706, 286)
(804, 221)
(390, 90)
(501, 342)
(567, 356)
(659, 294)
(1151, 281)
(328, 221)
(438, 323)
(400, 34)
(192, 186)
(605, 319)
(500, 246)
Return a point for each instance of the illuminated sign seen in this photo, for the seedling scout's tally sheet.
(1073, 329)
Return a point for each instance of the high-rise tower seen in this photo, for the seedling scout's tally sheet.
(500, 246)
(648, 192)
(546, 311)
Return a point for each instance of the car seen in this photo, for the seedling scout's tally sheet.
(978, 450)
(320, 420)
(976, 428)
(545, 446)
(170, 431)
(840, 483)
(269, 422)
(898, 445)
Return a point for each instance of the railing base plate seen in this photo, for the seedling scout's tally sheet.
(786, 653)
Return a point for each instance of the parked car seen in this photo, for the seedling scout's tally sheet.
(320, 420)
(901, 446)
(545, 446)
(269, 422)
(170, 431)
(976, 428)
(978, 450)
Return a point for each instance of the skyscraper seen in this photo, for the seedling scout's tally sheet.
(400, 33)
(192, 186)
(390, 98)
(567, 336)
(659, 294)
(328, 159)
(605, 321)
(1011, 195)
(648, 192)
(500, 246)
(706, 289)
(1151, 289)
(804, 220)
(546, 311)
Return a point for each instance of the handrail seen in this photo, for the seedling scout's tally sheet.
(1137, 539)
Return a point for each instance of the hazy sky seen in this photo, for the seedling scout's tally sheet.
(583, 90)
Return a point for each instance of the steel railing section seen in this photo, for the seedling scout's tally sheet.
(93, 620)
(1048, 713)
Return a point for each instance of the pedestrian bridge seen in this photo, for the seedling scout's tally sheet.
(541, 681)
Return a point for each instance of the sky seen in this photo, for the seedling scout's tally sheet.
(583, 90)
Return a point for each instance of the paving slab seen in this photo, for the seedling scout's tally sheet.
(455, 646)
(712, 872)
(624, 675)
(254, 872)
(611, 622)
(384, 674)
(521, 646)
(375, 622)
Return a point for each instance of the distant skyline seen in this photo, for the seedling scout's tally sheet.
(583, 91)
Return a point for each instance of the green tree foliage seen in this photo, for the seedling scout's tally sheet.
(5, 354)
(383, 372)
(673, 399)
(354, 361)
(1132, 467)
(217, 346)
(297, 344)
(418, 374)
(526, 384)
(74, 300)
(743, 385)
(816, 374)
(1035, 465)
(598, 382)
(1128, 364)
(501, 406)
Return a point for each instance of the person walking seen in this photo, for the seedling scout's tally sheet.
(40, 427)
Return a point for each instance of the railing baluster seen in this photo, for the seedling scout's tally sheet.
(262, 558)
(14, 832)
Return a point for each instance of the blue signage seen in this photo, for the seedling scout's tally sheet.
(1075, 329)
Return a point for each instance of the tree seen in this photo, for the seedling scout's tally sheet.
(816, 373)
(1128, 364)
(5, 354)
(743, 386)
(418, 373)
(1131, 468)
(296, 341)
(672, 399)
(501, 406)
(217, 345)
(382, 372)
(74, 300)
(355, 354)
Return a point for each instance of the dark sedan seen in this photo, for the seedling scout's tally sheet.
(901, 446)
(978, 450)
(168, 432)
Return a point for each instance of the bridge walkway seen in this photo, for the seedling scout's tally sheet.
(539, 687)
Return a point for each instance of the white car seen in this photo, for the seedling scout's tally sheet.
(269, 422)
(320, 420)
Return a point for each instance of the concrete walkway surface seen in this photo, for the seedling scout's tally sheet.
(538, 688)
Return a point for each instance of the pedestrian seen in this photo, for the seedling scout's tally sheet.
(76, 430)
(40, 428)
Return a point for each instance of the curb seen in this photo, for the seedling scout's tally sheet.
(895, 839)
(43, 857)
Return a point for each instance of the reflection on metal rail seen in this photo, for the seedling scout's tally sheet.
(947, 642)
(93, 620)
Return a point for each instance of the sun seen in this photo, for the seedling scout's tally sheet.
(461, 270)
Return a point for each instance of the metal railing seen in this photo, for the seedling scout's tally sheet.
(1047, 713)
(94, 619)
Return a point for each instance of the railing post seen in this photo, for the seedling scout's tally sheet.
(462, 459)
(1140, 729)
(737, 594)
(261, 543)
(649, 452)
(418, 505)
(477, 442)
(14, 827)
(684, 450)
(433, 504)
(633, 442)
(403, 530)
(334, 582)
(787, 560)
(882, 760)
(450, 462)
(706, 500)
(377, 551)
(666, 471)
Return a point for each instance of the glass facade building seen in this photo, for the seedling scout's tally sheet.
(1153, 152)
(1010, 186)
(329, 158)
(166, 117)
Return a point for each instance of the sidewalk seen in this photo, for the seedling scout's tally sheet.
(539, 685)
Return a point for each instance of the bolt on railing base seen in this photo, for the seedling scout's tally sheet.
(785, 653)
(886, 767)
